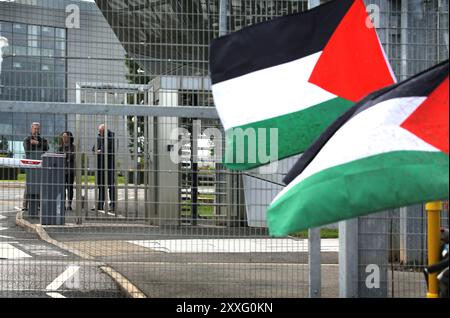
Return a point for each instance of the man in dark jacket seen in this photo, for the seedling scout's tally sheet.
(105, 167)
(34, 146)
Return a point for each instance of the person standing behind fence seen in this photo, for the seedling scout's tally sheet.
(34, 146)
(67, 147)
(110, 168)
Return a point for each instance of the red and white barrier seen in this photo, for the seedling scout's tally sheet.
(20, 163)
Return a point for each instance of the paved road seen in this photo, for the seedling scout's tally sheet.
(180, 261)
(30, 267)
(220, 266)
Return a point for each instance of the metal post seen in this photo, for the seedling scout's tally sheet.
(194, 164)
(53, 189)
(411, 234)
(116, 171)
(434, 214)
(155, 174)
(85, 153)
(404, 40)
(97, 174)
(373, 255)
(438, 31)
(106, 166)
(315, 278)
(194, 190)
(314, 262)
(348, 258)
(78, 162)
(78, 167)
(135, 163)
(146, 167)
(126, 164)
(223, 28)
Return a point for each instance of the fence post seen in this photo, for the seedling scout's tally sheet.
(433, 225)
(315, 278)
(412, 231)
(314, 263)
(348, 258)
(373, 255)
(404, 40)
(223, 6)
(78, 161)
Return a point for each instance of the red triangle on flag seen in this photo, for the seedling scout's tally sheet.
(430, 121)
(352, 63)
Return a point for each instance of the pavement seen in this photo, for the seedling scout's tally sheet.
(186, 262)
(113, 259)
(33, 268)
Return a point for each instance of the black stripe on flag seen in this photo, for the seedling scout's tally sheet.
(421, 84)
(275, 42)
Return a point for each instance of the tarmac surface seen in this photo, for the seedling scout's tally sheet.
(206, 266)
(32, 268)
(165, 262)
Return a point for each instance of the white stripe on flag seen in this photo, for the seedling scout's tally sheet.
(268, 93)
(374, 131)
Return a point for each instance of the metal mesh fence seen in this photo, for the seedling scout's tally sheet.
(414, 35)
(174, 226)
(150, 202)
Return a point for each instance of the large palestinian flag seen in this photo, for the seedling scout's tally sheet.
(297, 74)
(389, 150)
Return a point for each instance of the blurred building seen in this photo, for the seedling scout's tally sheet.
(47, 57)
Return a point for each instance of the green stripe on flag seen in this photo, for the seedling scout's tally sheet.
(296, 132)
(360, 187)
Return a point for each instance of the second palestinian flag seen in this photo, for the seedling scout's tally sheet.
(296, 74)
(389, 150)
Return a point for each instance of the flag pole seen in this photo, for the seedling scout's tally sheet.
(434, 217)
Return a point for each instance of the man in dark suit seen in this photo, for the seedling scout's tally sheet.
(106, 167)
(35, 146)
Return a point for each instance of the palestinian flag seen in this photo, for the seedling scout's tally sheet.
(389, 150)
(296, 74)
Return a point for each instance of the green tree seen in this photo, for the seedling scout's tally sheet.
(4, 146)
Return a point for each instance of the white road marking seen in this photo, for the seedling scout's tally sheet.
(3, 228)
(10, 252)
(61, 279)
(41, 250)
(55, 295)
(6, 237)
(2, 217)
(112, 214)
(235, 245)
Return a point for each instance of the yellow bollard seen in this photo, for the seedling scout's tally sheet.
(434, 227)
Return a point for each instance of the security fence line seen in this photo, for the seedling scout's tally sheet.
(152, 210)
(195, 228)
(361, 240)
